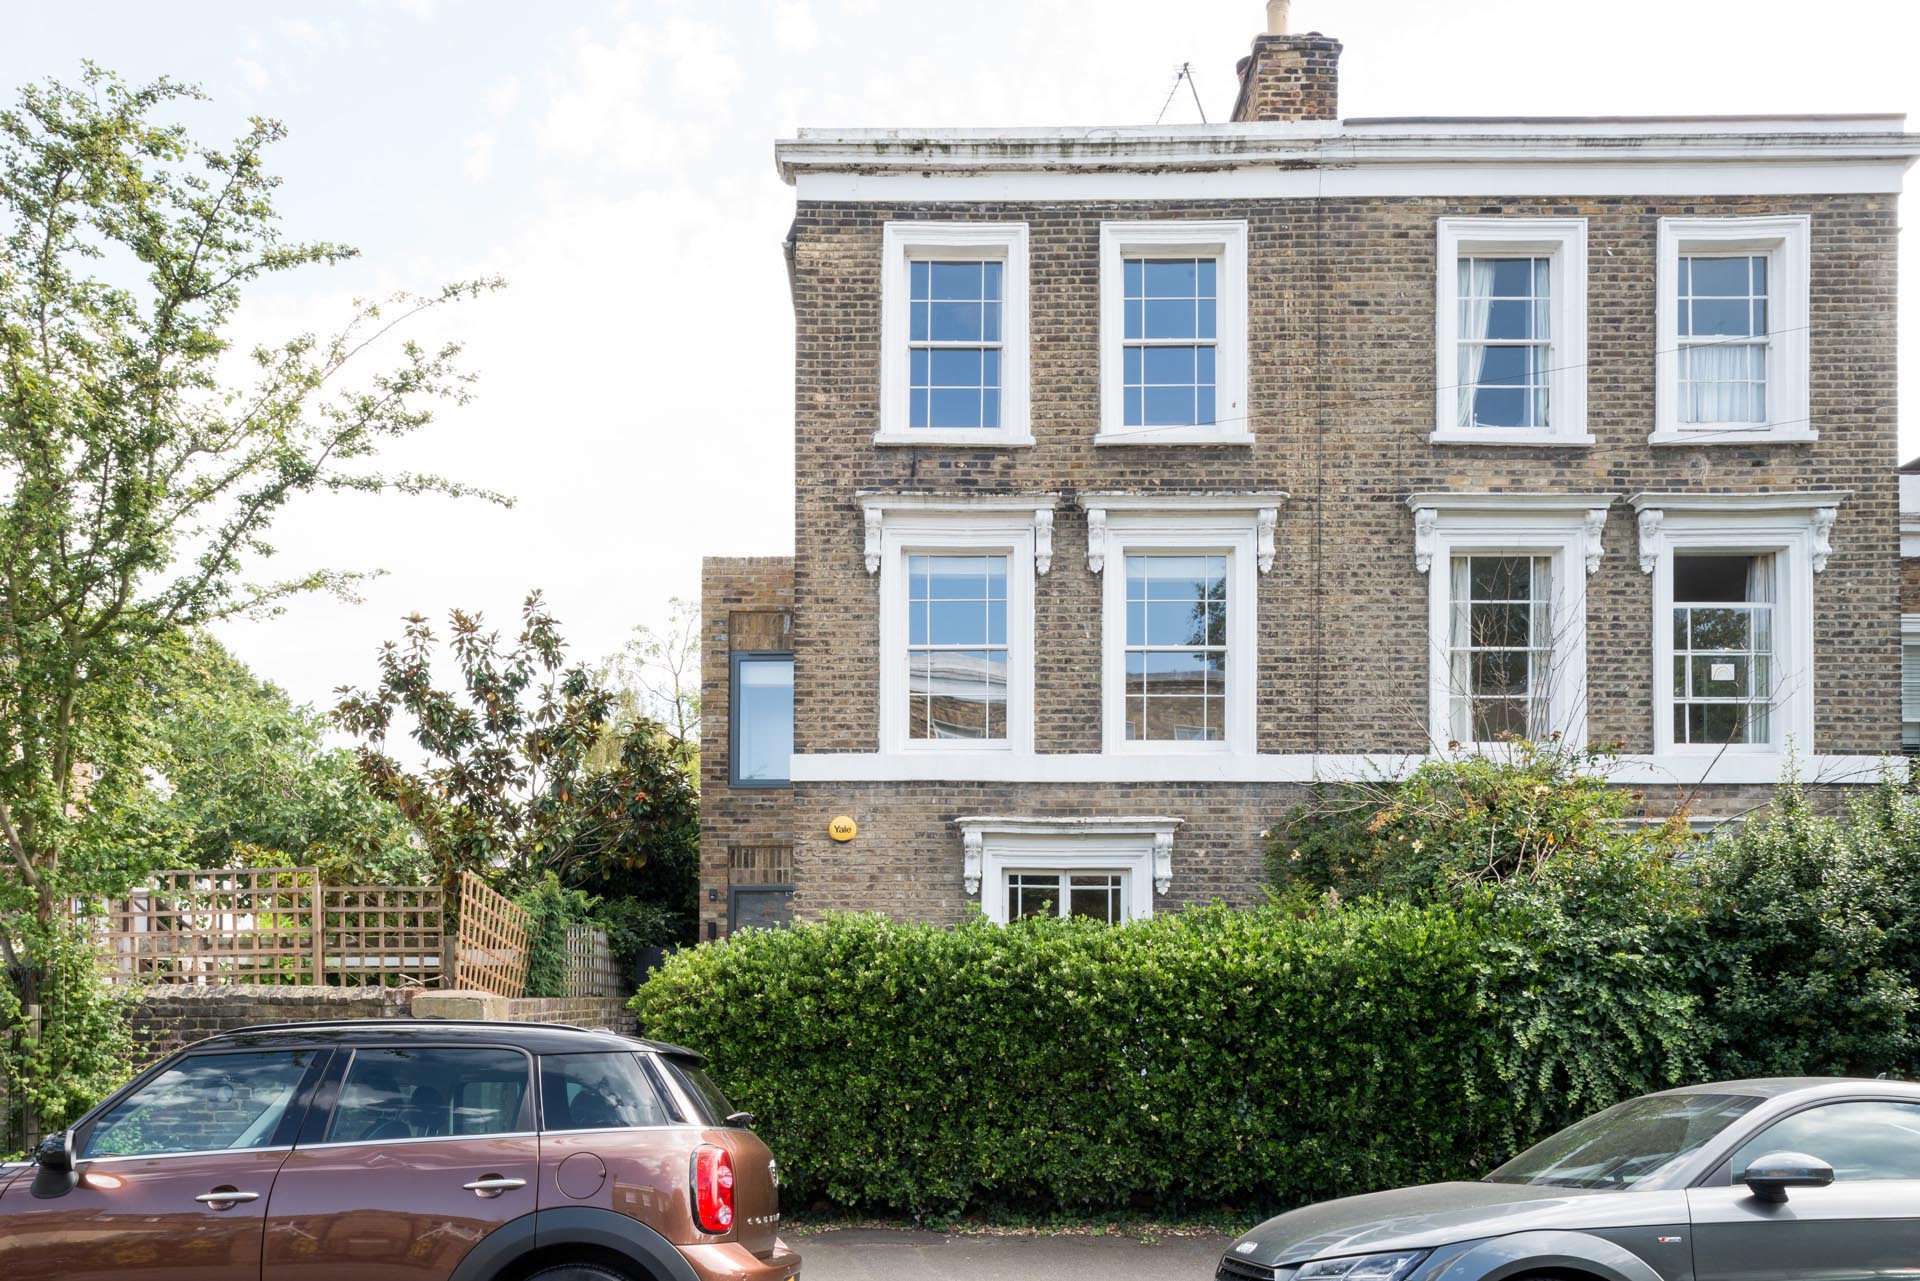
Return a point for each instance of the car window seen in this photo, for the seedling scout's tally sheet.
(205, 1103)
(596, 1092)
(1861, 1140)
(706, 1095)
(1631, 1144)
(429, 1093)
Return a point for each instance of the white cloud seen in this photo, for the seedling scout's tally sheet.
(643, 98)
(793, 25)
(301, 31)
(478, 163)
(504, 96)
(253, 73)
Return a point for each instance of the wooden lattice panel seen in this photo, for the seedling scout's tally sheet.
(237, 925)
(590, 966)
(381, 934)
(490, 953)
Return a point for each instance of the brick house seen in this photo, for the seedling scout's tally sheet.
(1147, 475)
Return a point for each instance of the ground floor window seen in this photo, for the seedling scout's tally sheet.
(1098, 896)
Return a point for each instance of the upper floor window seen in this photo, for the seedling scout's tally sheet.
(954, 343)
(1173, 325)
(957, 647)
(761, 723)
(953, 366)
(1731, 354)
(1507, 612)
(1733, 582)
(956, 617)
(1177, 648)
(1511, 352)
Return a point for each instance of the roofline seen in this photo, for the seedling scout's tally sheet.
(1352, 144)
(1819, 117)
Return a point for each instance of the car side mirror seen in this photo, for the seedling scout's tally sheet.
(1770, 1176)
(742, 1119)
(53, 1174)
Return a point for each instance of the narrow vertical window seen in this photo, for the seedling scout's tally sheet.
(957, 647)
(954, 341)
(1910, 694)
(1176, 652)
(1723, 630)
(1171, 332)
(1505, 341)
(762, 723)
(1500, 649)
(1723, 338)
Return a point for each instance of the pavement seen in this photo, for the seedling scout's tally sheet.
(855, 1254)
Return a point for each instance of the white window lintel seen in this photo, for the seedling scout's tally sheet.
(1512, 514)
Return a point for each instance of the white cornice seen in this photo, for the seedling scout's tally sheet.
(952, 501)
(1798, 500)
(1149, 501)
(934, 151)
(1452, 501)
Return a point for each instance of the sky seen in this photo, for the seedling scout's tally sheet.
(614, 162)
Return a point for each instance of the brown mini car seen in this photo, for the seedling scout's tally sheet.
(375, 1151)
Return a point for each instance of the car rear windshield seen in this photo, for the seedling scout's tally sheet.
(706, 1095)
(1629, 1145)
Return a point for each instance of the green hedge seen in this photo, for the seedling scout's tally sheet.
(1203, 1058)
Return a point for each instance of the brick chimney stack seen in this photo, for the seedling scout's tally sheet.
(1289, 76)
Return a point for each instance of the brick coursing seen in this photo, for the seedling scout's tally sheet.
(736, 593)
(1341, 337)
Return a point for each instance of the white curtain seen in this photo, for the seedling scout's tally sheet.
(1760, 591)
(1718, 377)
(1476, 292)
(1460, 654)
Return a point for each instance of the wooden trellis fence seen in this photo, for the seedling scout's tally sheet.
(272, 925)
(490, 954)
(590, 967)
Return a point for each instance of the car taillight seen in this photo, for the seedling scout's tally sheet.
(713, 1189)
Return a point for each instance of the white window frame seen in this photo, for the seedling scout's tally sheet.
(1564, 242)
(1909, 640)
(1140, 850)
(1786, 242)
(1795, 529)
(900, 526)
(904, 242)
(1566, 528)
(1238, 526)
(1223, 240)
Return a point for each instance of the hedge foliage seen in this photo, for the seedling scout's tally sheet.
(1202, 1058)
(1451, 968)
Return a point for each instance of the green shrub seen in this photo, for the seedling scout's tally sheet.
(85, 1047)
(1198, 1059)
(552, 909)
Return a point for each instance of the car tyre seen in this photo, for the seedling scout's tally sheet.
(578, 1272)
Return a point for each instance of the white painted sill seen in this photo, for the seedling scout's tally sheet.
(1177, 436)
(1744, 436)
(964, 439)
(1510, 436)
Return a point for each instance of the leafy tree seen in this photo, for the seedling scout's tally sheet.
(509, 789)
(247, 777)
(656, 677)
(140, 479)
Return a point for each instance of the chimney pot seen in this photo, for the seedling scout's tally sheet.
(1277, 16)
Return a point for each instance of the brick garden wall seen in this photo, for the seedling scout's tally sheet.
(1341, 334)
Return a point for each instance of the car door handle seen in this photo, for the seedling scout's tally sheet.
(226, 1198)
(494, 1183)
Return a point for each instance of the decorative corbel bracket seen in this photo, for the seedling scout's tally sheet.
(1425, 521)
(1823, 518)
(1596, 526)
(1042, 539)
(973, 842)
(1651, 518)
(1162, 861)
(1096, 539)
(873, 540)
(1269, 517)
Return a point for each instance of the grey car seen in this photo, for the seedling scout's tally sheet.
(1807, 1179)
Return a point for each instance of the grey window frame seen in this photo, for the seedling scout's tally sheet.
(735, 660)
